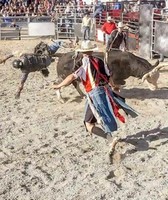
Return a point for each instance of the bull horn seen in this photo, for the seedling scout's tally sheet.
(156, 64)
(145, 77)
(158, 68)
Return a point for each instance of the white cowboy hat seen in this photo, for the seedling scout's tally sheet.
(109, 18)
(120, 25)
(86, 45)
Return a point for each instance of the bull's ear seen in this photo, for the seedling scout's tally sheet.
(145, 77)
(156, 64)
(158, 68)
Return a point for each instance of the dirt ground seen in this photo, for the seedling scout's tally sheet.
(46, 154)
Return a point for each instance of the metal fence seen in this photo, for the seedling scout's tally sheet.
(68, 24)
(159, 32)
(17, 27)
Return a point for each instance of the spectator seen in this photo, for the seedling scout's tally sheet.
(98, 10)
(86, 26)
(108, 27)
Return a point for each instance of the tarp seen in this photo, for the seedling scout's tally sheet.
(145, 30)
(41, 28)
(161, 39)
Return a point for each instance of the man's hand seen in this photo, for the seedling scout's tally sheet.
(68, 80)
(55, 87)
(3, 60)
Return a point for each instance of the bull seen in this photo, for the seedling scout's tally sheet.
(121, 65)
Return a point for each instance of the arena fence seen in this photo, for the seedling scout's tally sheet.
(17, 27)
(65, 19)
(65, 27)
(68, 25)
(159, 39)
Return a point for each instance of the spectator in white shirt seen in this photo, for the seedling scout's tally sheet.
(86, 26)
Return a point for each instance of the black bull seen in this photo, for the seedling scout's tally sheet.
(121, 65)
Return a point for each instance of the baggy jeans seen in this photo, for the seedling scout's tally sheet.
(101, 103)
(86, 33)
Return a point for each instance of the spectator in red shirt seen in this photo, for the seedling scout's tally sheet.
(108, 27)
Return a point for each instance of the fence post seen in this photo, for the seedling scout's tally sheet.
(19, 33)
(0, 31)
(75, 16)
(56, 29)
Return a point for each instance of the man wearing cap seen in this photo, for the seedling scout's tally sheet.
(108, 27)
(117, 38)
(102, 105)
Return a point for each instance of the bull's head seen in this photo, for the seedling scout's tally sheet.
(152, 77)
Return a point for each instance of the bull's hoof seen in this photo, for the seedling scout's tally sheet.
(111, 154)
(62, 100)
(17, 96)
(112, 149)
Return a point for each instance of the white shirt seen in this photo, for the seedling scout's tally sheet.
(81, 72)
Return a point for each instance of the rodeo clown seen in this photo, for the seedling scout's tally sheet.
(102, 103)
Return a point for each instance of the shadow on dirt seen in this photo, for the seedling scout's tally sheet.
(77, 99)
(142, 139)
(142, 94)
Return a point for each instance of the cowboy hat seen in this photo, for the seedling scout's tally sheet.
(86, 46)
(109, 18)
(120, 25)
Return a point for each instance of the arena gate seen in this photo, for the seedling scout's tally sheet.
(159, 38)
(121, 11)
(140, 22)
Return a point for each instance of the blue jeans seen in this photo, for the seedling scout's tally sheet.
(86, 33)
(102, 104)
(107, 37)
(55, 46)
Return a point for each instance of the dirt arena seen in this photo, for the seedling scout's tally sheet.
(46, 154)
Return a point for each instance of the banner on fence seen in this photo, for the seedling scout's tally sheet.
(161, 39)
(145, 30)
(41, 29)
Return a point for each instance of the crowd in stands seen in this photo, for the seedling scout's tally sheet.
(55, 8)
(42, 7)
